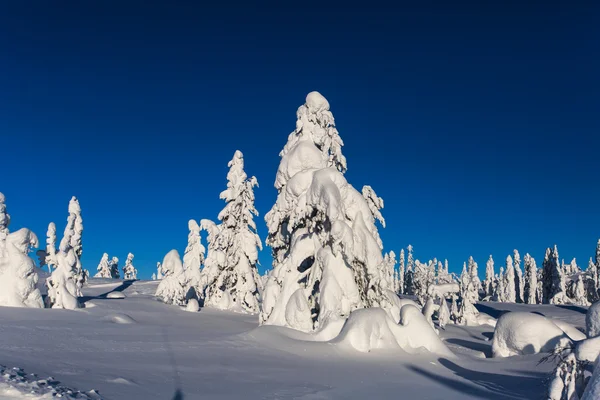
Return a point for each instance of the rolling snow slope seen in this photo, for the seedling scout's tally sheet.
(139, 348)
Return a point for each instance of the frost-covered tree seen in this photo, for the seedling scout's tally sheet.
(233, 281)
(488, 283)
(113, 264)
(75, 227)
(401, 273)
(454, 313)
(501, 287)
(409, 287)
(129, 271)
(580, 294)
(424, 276)
(592, 282)
(510, 294)
(389, 265)
(530, 286)
(172, 288)
(474, 272)
(104, 270)
(193, 258)
(159, 271)
(18, 274)
(598, 259)
(519, 284)
(554, 280)
(467, 314)
(326, 248)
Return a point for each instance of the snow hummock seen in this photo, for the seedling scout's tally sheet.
(116, 295)
(192, 305)
(520, 333)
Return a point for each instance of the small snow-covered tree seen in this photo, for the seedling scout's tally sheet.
(401, 273)
(159, 271)
(530, 286)
(103, 268)
(488, 283)
(75, 226)
(4, 222)
(326, 248)
(467, 314)
(153, 276)
(592, 282)
(476, 282)
(510, 295)
(172, 288)
(233, 281)
(501, 286)
(193, 258)
(409, 286)
(580, 294)
(389, 261)
(113, 264)
(129, 271)
(519, 284)
(424, 276)
(598, 260)
(554, 280)
(454, 313)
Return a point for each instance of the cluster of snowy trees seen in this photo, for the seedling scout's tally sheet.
(108, 268)
(227, 278)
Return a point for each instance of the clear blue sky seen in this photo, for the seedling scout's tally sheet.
(478, 124)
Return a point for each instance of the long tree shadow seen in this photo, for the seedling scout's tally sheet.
(578, 309)
(485, 348)
(492, 312)
(102, 296)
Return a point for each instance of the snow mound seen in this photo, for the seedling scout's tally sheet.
(520, 333)
(572, 332)
(192, 305)
(592, 320)
(120, 319)
(116, 295)
(372, 328)
(16, 384)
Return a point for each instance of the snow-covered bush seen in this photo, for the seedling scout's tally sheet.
(129, 271)
(18, 273)
(520, 333)
(230, 278)
(326, 248)
(172, 288)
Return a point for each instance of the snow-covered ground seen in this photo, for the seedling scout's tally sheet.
(139, 348)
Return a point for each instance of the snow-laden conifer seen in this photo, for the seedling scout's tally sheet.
(230, 278)
(401, 273)
(554, 280)
(474, 272)
(530, 286)
(510, 294)
(326, 248)
(159, 271)
(172, 289)
(129, 271)
(193, 258)
(103, 268)
(113, 264)
(519, 282)
(488, 283)
(409, 287)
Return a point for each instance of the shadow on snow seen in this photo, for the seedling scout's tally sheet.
(102, 296)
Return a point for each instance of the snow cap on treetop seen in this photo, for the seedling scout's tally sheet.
(193, 225)
(2, 198)
(74, 207)
(316, 102)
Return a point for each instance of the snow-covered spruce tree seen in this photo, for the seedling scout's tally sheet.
(233, 281)
(519, 284)
(159, 271)
(401, 273)
(409, 287)
(326, 248)
(424, 276)
(113, 264)
(592, 282)
(530, 286)
(580, 296)
(76, 230)
(4, 222)
(510, 294)
(129, 271)
(172, 288)
(501, 287)
(467, 314)
(389, 265)
(103, 268)
(474, 272)
(193, 258)
(554, 280)
(598, 260)
(488, 283)
(62, 283)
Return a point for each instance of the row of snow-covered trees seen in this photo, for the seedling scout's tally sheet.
(19, 277)
(110, 268)
(227, 278)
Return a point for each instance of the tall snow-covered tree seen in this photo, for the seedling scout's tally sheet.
(113, 264)
(172, 289)
(75, 226)
(389, 261)
(424, 276)
(501, 286)
(467, 314)
(592, 282)
(510, 295)
(530, 286)
(554, 280)
(103, 268)
(327, 254)
(488, 283)
(401, 273)
(597, 262)
(193, 258)
(159, 271)
(474, 272)
(129, 271)
(4, 222)
(519, 283)
(233, 281)
(409, 287)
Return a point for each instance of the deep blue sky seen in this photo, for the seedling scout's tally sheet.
(478, 124)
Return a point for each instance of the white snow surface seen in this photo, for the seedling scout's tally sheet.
(123, 349)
